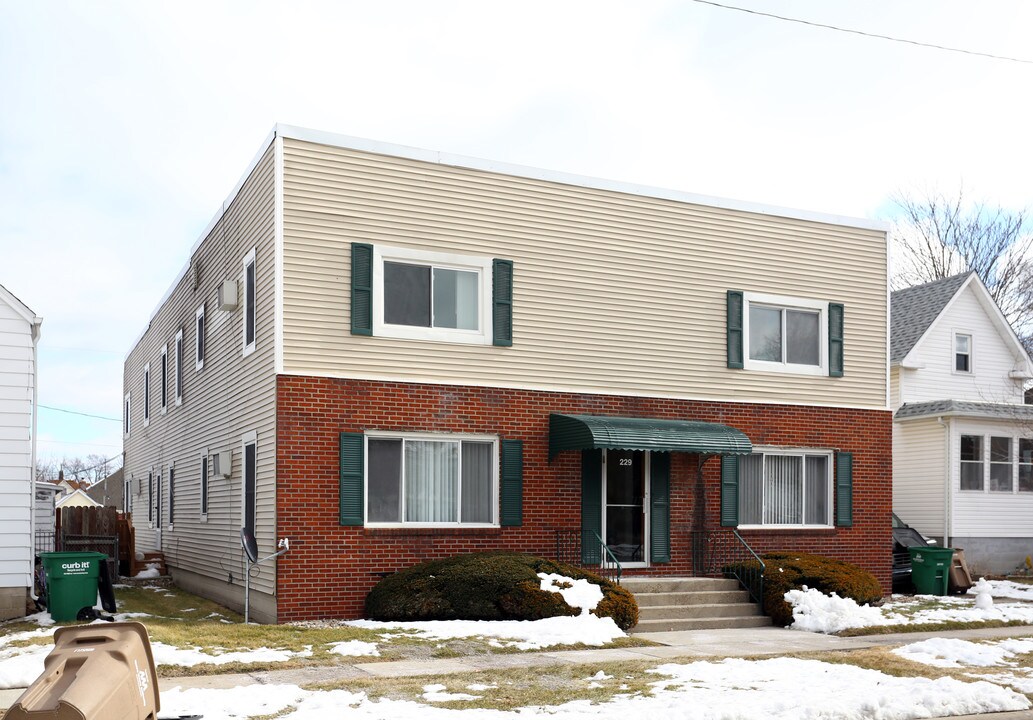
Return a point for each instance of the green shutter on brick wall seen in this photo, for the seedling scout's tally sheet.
(591, 505)
(844, 489)
(729, 490)
(362, 289)
(660, 507)
(512, 483)
(353, 446)
(502, 302)
(733, 302)
(835, 340)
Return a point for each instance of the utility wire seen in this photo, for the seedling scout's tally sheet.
(75, 412)
(865, 34)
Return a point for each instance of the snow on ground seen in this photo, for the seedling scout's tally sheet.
(148, 573)
(188, 657)
(437, 693)
(20, 665)
(953, 653)
(354, 648)
(1006, 589)
(732, 689)
(579, 594)
(815, 611)
(522, 634)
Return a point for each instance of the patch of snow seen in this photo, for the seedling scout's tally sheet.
(149, 573)
(354, 648)
(1004, 589)
(953, 652)
(477, 687)
(814, 611)
(601, 676)
(521, 634)
(579, 594)
(984, 598)
(436, 693)
(188, 657)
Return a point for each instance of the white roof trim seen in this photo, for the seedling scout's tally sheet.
(69, 496)
(988, 304)
(19, 307)
(441, 158)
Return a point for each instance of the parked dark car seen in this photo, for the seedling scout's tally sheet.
(905, 536)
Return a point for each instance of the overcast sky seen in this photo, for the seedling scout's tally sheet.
(123, 125)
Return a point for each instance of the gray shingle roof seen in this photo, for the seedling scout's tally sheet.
(914, 309)
(962, 407)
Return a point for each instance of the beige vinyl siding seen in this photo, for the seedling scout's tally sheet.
(613, 292)
(919, 471)
(231, 396)
(895, 388)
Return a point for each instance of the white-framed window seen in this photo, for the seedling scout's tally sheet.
(995, 463)
(150, 496)
(431, 479)
(962, 353)
(178, 381)
(422, 295)
(204, 485)
(248, 330)
(781, 487)
(249, 481)
(164, 391)
(784, 334)
(172, 495)
(199, 338)
(146, 394)
(127, 494)
(127, 422)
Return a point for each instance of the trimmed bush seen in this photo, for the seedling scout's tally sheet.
(489, 586)
(784, 571)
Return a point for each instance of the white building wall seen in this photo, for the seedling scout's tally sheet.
(919, 474)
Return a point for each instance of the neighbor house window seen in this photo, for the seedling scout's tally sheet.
(146, 394)
(126, 422)
(431, 296)
(786, 487)
(172, 496)
(1000, 464)
(150, 496)
(962, 353)
(249, 303)
(164, 392)
(249, 486)
(431, 480)
(199, 338)
(204, 484)
(996, 463)
(179, 368)
(971, 462)
(785, 334)
(127, 495)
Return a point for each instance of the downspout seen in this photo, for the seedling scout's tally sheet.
(32, 470)
(946, 480)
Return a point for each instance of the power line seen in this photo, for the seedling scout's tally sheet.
(75, 412)
(865, 34)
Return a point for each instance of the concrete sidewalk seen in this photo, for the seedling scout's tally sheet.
(688, 645)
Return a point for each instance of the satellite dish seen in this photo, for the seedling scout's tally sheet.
(247, 541)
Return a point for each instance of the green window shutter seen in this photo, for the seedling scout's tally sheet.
(502, 302)
(362, 289)
(844, 489)
(660, 510)
(835, 340)
(734, 308)
(512, 483)
(591, 505)
(729, 491)
(353, 447)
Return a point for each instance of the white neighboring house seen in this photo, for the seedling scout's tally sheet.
(19, 334)
(962, 437)
(44, 519)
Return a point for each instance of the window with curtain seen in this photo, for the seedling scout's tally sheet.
(785, 488)
(435, 481)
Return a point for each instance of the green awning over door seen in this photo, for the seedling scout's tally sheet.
(585, 432)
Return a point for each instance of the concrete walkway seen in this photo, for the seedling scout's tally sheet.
(688, 644)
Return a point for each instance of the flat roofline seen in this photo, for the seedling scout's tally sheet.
(440, 158)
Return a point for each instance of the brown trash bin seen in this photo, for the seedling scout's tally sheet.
(94, 672)
(960, 579)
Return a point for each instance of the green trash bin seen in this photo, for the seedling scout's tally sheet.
(930, 569)
(72, 579)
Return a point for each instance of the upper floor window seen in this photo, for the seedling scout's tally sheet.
(786, 487)
(164, 390)
(249, 302)
(962, 353)
(146, 394)
(199, 338)
(785, 334)
(431, 480)
(432, 296)
(126, 407)
(179, 368)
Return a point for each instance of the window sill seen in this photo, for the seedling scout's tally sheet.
(785, 368)
(450, 530)
(789, 529)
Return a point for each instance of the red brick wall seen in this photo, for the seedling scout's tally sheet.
(331, 568)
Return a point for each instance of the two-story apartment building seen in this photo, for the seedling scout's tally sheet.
(962, 437)
(19, 334)
(390, 355)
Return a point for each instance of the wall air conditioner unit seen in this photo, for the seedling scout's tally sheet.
(222, 464)
(228, 295)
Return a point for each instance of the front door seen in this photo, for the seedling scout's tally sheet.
(626, 505)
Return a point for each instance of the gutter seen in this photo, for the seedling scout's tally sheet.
(948, 428)
(36, 323)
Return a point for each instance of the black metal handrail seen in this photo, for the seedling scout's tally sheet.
(609, 565)
(749, 576)
(726, 553)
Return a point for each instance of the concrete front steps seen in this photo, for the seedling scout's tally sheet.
(666, 604)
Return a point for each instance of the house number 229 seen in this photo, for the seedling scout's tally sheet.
(625, 462)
